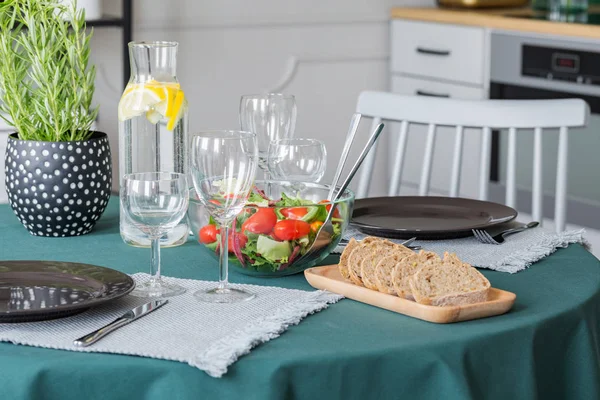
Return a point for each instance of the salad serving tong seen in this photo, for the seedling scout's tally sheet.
(326, 231)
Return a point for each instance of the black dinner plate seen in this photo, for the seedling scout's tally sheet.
(41, 290)
(427, 217)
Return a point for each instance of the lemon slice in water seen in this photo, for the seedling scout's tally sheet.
(166, 107)
(179, 105)
(138, 100)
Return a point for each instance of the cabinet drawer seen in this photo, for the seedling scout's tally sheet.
(448, 52)
(424, 87)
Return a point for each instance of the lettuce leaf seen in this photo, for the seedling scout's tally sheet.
(250, 250)
(287, 201)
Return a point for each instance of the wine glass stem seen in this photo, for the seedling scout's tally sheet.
(268, 181)
(155, 263)
(224, 257)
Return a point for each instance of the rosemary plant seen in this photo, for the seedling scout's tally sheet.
(46, 85)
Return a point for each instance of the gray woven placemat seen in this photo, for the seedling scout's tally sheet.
(210, 337)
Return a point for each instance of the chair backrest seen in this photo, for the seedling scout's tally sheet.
(485, 115)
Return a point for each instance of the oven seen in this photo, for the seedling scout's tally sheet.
(530, 66)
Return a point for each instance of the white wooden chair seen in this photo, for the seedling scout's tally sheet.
(483, 114)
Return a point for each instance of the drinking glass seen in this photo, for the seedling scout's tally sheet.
(297, 160)
(223, 169)
(155, 202)
(271, 116)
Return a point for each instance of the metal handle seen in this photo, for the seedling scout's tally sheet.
(520, 229)
(93, 337)
(358, 162)
(430, 94)
(349, 139)
(433, 52)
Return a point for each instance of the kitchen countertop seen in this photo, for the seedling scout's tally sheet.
(506, 19)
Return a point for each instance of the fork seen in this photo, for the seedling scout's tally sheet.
(486, 238)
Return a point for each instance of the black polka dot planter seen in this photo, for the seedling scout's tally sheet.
(58, 189)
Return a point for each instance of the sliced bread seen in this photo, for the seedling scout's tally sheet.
(407, 266)
(379, 250)
(383, 269)
(343, 264)
(448, 284)
(383, 272)
(356, 258)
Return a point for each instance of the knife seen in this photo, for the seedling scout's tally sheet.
(123, 320)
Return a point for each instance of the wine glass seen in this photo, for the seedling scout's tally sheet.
(223, 169)
(271, 116)
(155, 202)
(297, 160)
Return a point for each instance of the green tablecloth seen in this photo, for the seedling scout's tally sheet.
(547, 347)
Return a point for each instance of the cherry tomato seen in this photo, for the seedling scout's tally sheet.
(294, 212)
(316, 225)
(272, 236)
(241, 237)
(262, 221)
(291, 229)
(336, 212)
(208, 234)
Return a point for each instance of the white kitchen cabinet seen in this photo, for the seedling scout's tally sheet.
(436, 59)
(439, 51)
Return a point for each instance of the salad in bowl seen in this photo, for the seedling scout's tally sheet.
(273, 233)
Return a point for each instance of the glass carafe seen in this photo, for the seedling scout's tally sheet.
(153, 127)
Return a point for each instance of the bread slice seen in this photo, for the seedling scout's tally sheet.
(356, 257)
(343, 264)
(383, 269)
(407, 266)
(449, 284)
(379, 250)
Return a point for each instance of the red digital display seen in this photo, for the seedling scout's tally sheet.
(565, 62)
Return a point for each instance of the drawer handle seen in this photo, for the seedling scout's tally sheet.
(433, 52)
(429, 94)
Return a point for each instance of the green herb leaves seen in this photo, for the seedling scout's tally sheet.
(46, 85)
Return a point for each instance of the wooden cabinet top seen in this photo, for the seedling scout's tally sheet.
(507, 19)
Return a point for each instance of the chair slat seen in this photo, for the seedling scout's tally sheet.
(427, 161)
(484, 167)
(398, 161)
(368, 165)
(511, 169)
(560, 206)
(456, 162)
(536, 190)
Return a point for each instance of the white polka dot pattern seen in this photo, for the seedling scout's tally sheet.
(58, 189)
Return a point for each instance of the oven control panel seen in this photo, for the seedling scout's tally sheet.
(560, 64)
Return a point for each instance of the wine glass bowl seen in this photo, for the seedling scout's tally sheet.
(271, 116)
(244, 245)
(155, 202)
(300, 160)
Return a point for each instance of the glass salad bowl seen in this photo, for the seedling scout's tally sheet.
(273, 233)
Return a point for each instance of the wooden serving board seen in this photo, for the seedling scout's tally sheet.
(328, 278)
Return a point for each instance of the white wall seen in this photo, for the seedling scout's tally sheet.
(323, 52)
